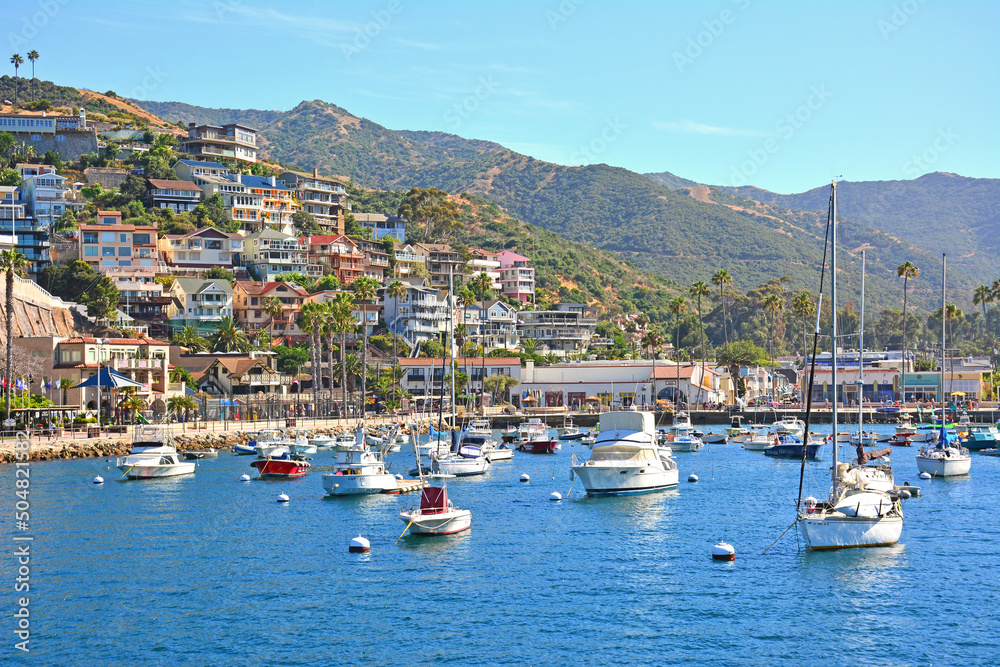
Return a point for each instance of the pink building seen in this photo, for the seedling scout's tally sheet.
(517, 279)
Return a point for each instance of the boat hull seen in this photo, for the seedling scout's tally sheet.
(538, 446)
(835, 531)
(244, 450)
(616, 480)
(353, 485)
(757, 445)
(442, 523)
(715, 439)
(460, 466)
(154, 471)
(500, 454)
(814, 451)
(280, 468)
(944, 467)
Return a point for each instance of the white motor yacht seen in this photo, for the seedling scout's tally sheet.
(299, 442)
(759, 440)
(681, 437)
(626, 458)
(153, 455)
(358, 471)
(271, 443)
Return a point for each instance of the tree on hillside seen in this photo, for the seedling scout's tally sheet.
(722, 279)
(736, 355)
(365, 290)
(229, 337)
(304, 222)
(395, 291)
(311, 323)
(773, 305)
(219, 273)
(188, 337)
(803, 308)
(697, 291)
(982, 296)
(17, 61)
(430, 209)
(102, 300)
(678, 306)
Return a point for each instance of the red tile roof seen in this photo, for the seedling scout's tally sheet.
(477, 361)
(116, 341)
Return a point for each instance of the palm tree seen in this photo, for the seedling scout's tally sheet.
(396, 291)
(653, 340)
(951, 313)
(229, 337)
(773, 304)
(350, 368)
(341, 321)
(188, 337)
(12, 262)
(982, 296)
(803, 308)
(311, 323)
(906, 270)
(365, 290)
(32, 56)
(273, 307)
(678, 305)
(697, 291)
(180, 405)
(482, 285)
(17, 61)
(722, 279)
(132, 403)
(734, 356)
(65, 384)
(529, 346)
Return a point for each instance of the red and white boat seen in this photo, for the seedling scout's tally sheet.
(436, 514)
(281, 467)
(534, 437)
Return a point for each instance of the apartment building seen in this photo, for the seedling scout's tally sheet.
(376, 259)
(190, 170)
(110, 244)
(517, 279)
(241, 204)
(200, 249)
(44, 192)
(563, 331)
(25, 233)
(249, 301)
(141, 297)
(483, 261)
(338, 255)
(201, 302)
(277, 199)
(322, 197)
(383, 225)
(233, 140)
(420, 315)
(409, 263)
(495, 326)
(423, 378)
(441, 261)
(269, 253)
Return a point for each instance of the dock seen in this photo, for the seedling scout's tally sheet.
(406, 486)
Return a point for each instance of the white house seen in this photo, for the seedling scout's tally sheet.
(199, 302)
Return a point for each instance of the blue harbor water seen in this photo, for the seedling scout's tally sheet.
(205, 570)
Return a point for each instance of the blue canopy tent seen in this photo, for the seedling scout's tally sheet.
(110, 379)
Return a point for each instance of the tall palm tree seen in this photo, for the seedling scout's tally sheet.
(65, 384)
(653, 340)
(229, 337)
(32, 56)
(982, 296)
(803, 308)
(773, 304)
(273, 307)
(906, 270)
(529, 345)
(395, 291)
(722, 279)
(698, 290)
(311, 323)
(11, 262)
(951, 313)
(365, 290)
(678, 306)
(341, 321)
(17, 61)
(180, 405)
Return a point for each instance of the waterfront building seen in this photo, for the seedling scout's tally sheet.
(423, 377)
(243, 376)
(563, 331)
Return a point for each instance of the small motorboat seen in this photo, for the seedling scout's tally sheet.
(436, 515)
(569, 430)
(282, 466)
(790, 447)
(210, 453)
(248, 448)
(358, 471)
(153, 455)
(715, 438)
(533, 437)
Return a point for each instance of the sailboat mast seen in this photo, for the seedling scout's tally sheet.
(944, 318)
(861, 357)
(451, 340)
(833, 332)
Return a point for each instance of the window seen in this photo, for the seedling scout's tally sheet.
(107, 262)
(124, 251)
(90, 251)
(124, 262)
(36, 137)
(108, 251)
(108, 220)
(107, 237)
(123, 238)
(60, 137)
(146, 262)
(140, 239)
(90, 237)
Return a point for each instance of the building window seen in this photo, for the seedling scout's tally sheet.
(90, 251)
(124, 251)
(107, 237)
(140, 239)
(60, 138)
(108, 251)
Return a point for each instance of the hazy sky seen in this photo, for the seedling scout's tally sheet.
(783, 95)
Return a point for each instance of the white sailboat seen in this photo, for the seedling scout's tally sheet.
(856, 514)
(947, 457)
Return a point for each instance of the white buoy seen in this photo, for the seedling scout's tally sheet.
(555, 495)
(723, 551)
(244, 478)
(692, 477)
(904, 494)
(98, 480)
(359, 545)
(925, 475)
(283, 498)
(525, 477)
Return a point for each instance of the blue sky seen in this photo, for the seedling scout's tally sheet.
(783, 95)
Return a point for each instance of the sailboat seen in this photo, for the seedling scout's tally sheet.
(436, 515)
(947, 457)
(863, 509)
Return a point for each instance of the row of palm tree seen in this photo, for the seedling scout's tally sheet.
(16, 60)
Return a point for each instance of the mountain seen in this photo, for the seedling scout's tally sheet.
(684, 234)
(939, 212)
(672, 181)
